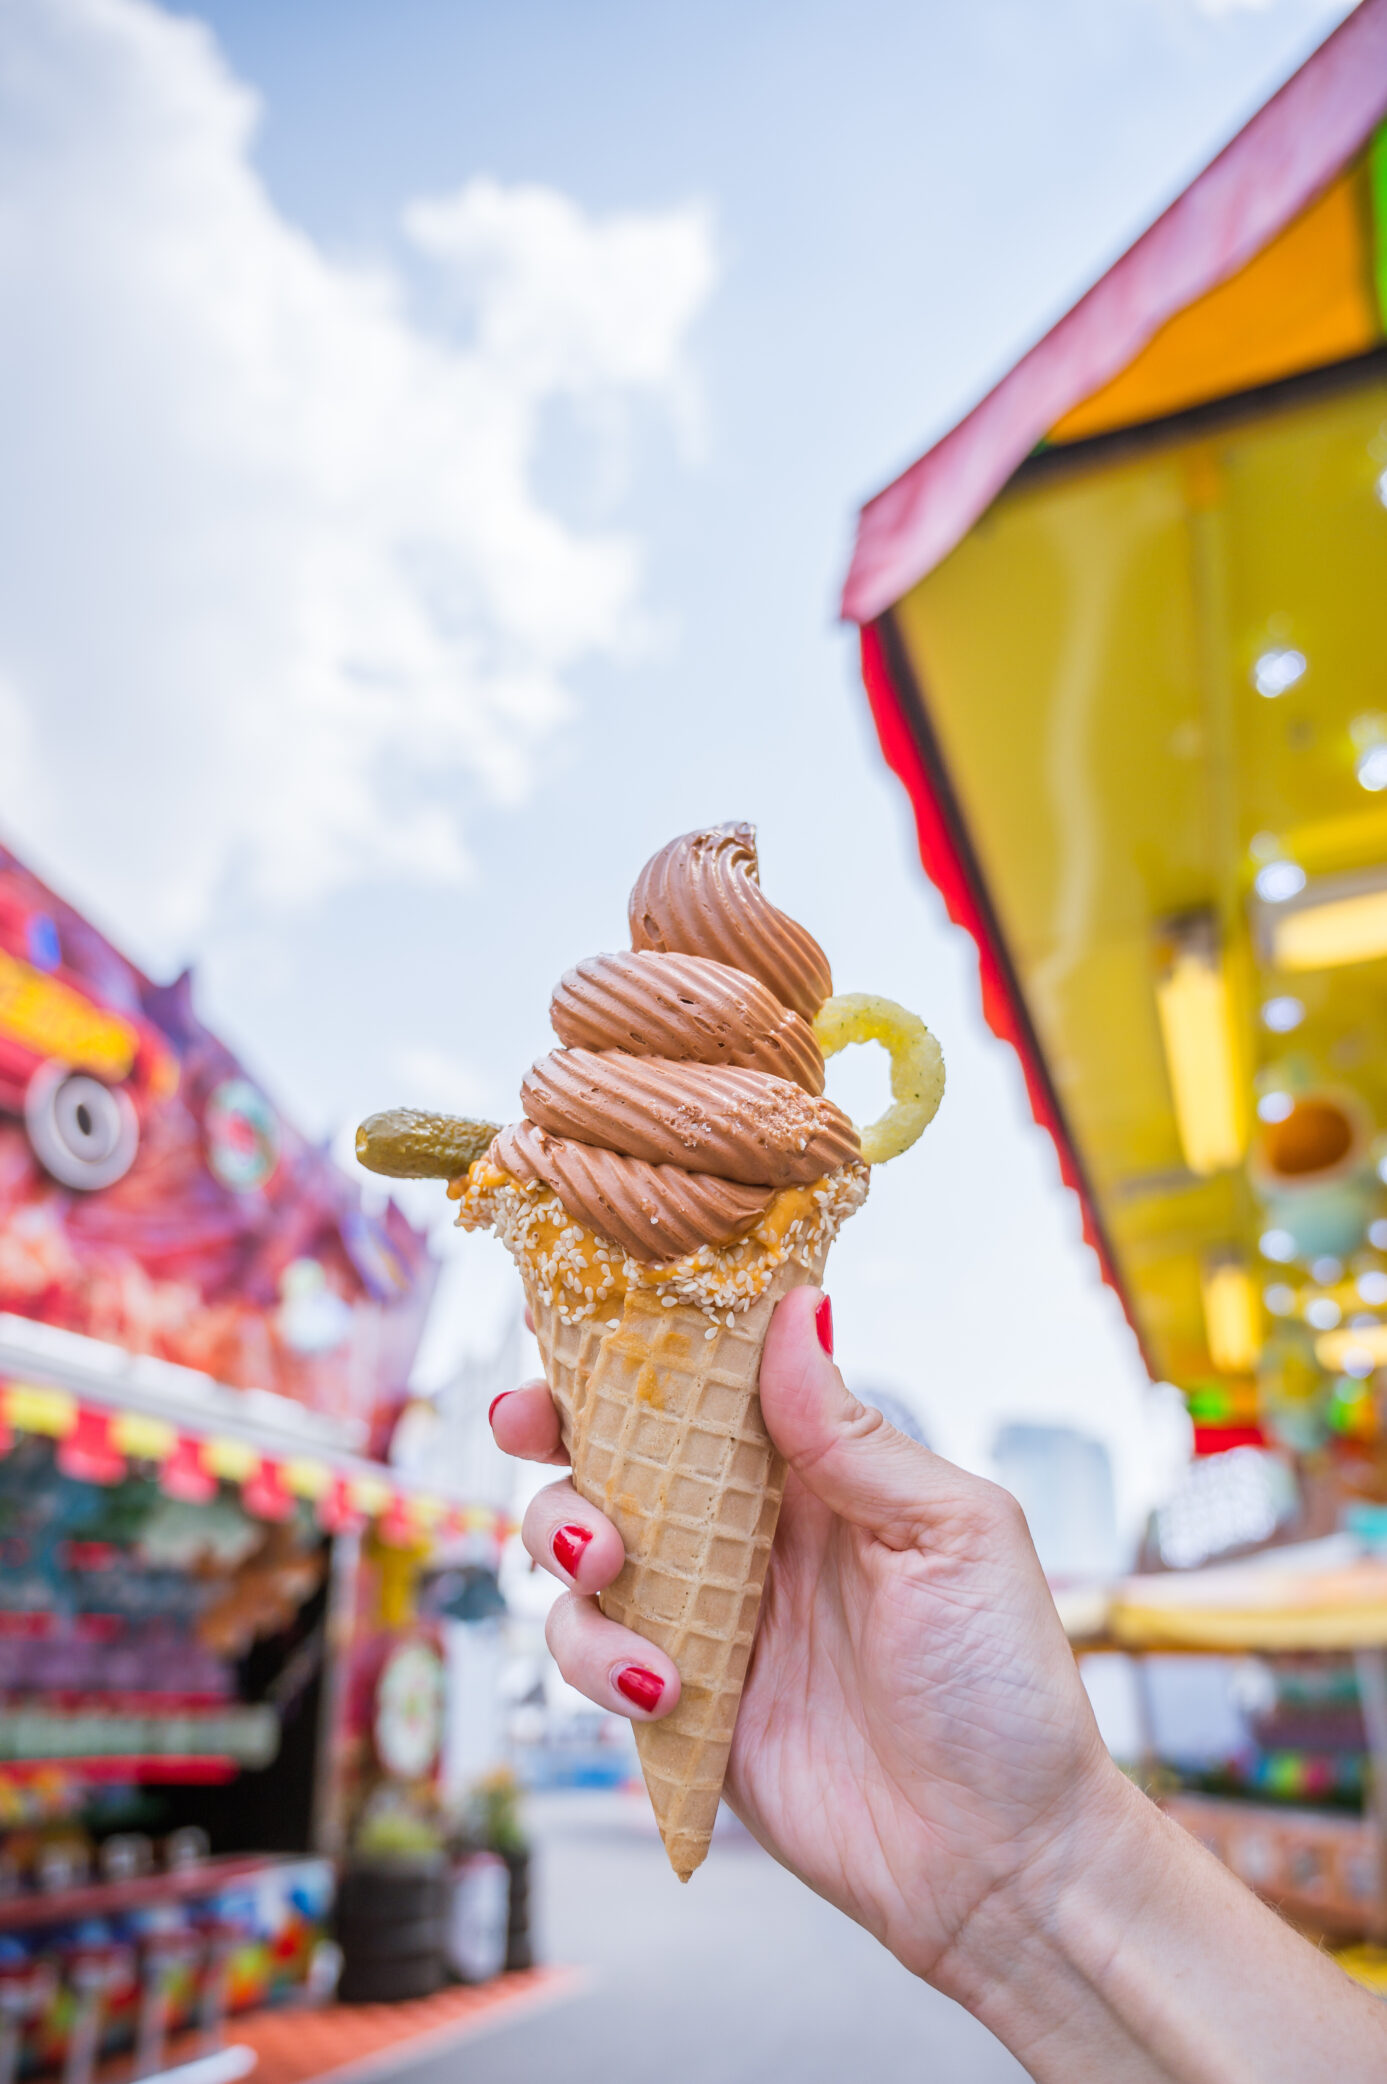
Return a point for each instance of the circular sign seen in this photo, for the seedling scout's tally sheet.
(242, 1131)
(82, 1131)
(409, 1711)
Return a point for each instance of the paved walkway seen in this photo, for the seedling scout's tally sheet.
(743, 1977)
(361, 2043)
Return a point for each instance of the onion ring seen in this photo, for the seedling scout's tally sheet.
(917, 1066)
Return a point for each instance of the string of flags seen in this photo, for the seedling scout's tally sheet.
(100, 1445)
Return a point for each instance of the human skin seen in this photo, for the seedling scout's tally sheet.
(915, 1743)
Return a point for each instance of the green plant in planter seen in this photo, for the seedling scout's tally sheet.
(396, 1832)
(492, 1818)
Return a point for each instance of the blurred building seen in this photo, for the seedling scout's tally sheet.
(1063, 1481)
(902, 1415)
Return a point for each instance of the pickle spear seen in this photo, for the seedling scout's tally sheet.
(404, 1143)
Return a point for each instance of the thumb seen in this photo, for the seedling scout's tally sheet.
(843, 1451)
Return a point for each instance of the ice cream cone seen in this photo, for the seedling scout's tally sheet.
(662, 1421)
(677, 1168)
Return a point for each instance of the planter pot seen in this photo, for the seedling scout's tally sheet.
(519, 1943)
(392, 1920)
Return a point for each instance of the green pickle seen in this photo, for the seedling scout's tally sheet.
(404, 1143)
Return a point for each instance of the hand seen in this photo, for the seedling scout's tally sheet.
(915, 1742)
(913, 1731)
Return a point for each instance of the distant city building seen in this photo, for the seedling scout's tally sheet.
(895, 1409)
(1062, 1480)
(450, 1434)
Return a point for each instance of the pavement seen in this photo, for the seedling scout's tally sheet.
(742, 1977)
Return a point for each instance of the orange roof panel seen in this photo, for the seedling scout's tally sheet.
(1306, 300)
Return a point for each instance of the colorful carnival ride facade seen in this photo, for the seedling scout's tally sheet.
(216, 1674)
(1125, 643)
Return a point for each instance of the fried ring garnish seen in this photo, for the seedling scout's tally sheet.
(917, 1066)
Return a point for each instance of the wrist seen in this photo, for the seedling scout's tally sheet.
(1035, 1957)
(1121, 1952)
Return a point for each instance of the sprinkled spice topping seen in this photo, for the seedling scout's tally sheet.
(578, 1273)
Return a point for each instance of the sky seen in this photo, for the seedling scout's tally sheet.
(433, 437)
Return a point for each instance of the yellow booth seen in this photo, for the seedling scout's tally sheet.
(1124, 634)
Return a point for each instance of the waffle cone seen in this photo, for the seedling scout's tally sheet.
(663, 1426)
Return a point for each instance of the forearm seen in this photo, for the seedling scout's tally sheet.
(1128, 1955)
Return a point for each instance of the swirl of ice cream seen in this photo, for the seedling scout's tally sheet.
(687, 1008)
(651, 1211)
(740, 1125)
(690, 1089)
(701, 895)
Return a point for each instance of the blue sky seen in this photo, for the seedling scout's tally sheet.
(437, 430)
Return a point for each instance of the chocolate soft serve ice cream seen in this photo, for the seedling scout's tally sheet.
(676, 1171)
(689, 1087)
(685, 1103)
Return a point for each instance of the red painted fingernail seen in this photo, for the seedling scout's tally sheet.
(491, 1412)
(823, 1325)
(568, 1545)
(641, 1687)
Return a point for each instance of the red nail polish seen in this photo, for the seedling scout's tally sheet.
(568, 1545)
(823, 1325)
(641, 1687)
(491, 1410)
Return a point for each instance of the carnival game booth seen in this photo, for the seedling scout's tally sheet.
(1124, 643)
(217, 1679)
(1294, 1803)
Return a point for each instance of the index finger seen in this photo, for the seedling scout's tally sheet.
(525, 1423)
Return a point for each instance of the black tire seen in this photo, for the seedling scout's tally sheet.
(520, 1951)
(390, 1899)
(396, 1941)
(390, 1982)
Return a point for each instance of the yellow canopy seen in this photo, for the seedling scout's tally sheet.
(1140, 704)
(1276, 1606)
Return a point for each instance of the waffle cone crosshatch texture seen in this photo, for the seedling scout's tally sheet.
(677, 1172)
(666, 1436)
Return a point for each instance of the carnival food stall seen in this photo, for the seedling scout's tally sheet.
(1123, 640)
(1296, 1804)
(218, 1680)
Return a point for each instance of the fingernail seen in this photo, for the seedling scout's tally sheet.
(823, 1325)
(568, 1545)
(491, 1413)
(641, 1687)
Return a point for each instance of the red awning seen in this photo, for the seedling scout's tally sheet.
(947, 859)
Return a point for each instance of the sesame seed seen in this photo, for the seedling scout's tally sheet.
(574, 1271)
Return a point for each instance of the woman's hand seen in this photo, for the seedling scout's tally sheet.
(914, 1740)
(913, 1731)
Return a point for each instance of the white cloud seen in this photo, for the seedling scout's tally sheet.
(276, 589)
(565, 304)
(436, 1078)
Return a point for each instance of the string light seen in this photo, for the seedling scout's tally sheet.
(1277, 1245)
(1279, 880)
(1280, 1015)
(1277, 670)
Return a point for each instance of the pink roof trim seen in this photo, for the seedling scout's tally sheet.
(1282, 159)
